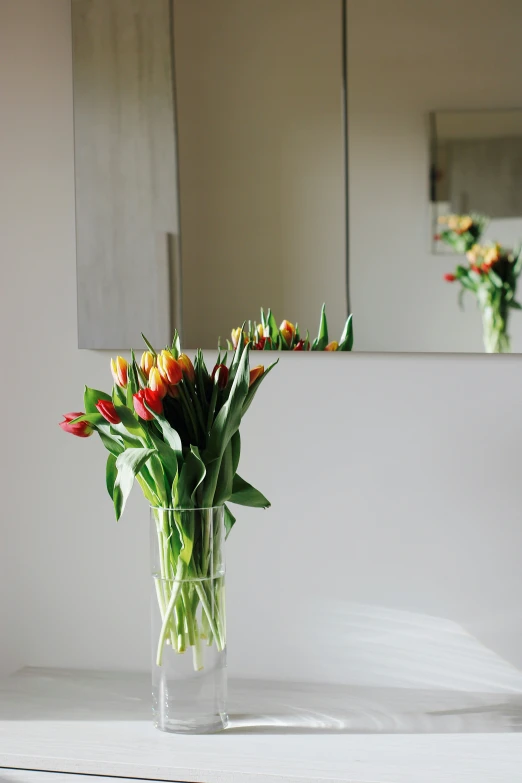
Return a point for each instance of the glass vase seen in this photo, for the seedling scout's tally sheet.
(189, 678)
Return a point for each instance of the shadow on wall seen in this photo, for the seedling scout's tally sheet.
(403, 673)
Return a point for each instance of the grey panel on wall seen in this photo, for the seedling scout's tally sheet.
(126, 172)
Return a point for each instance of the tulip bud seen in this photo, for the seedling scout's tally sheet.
(156, 382)
(119, 371)
(287, 331)
(236, 336)
(299, 346)
(147, 363)
(187, 367)
(108, 411)
(173, 391)
(169, 368)
(333, 346)
(260, 331)
(82, 429)
(153, 400)
(256, 373)
(220, 375)
(449, 277)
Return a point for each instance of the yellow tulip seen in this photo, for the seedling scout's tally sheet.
(119, 371)
(187, 367)
(236, 336)
(147, 362)
(288, 331)
(169, 368)
(333, 346)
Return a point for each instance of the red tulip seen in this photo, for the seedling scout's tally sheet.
(449, 277)
(153, 400)
(299, 346)
(82, 429)
(255, 373)
(108, 411)
(220, 375)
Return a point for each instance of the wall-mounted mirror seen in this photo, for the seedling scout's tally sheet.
(253, 144)
(216, 168)
(476, 167)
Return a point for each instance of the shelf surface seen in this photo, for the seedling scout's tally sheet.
(99, 723)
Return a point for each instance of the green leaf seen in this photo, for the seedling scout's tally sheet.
(273, 328)
(244, 494)
(176, 344)
(110, 474)
(495, 279)
(515, 305)
(118, 395)
(111, 442)
(91, 397)
(230, 521)
(130, 421)
(157, 472)
(235, 444)
(169, 458)
(149, 346)
(190, 478)
(128, 464)
(225, 477)
(228, 419)
(321, 341)
(192, 475)
(346, 341)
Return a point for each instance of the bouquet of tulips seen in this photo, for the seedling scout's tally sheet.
(174, 427)
(461, 232)
(268, 336)
(491, 275)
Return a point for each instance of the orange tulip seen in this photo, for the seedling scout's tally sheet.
(333, 346)
(288, 332)
(156, 382)
(187, 367)
(147, 362)
(119, 371)
(169, 368)
(173, 391)
(256, 373)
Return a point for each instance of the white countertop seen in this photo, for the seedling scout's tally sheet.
(99, 723)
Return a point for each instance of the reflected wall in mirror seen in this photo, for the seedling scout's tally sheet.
(241, 103)
(260, 149)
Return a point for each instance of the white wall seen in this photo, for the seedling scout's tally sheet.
(395, 480)
(406, 59)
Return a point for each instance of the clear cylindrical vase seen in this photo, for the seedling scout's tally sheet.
(189, 678)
